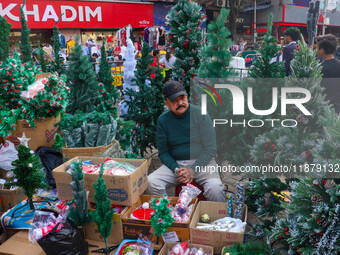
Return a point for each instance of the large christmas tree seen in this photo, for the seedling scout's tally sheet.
(146, 105)
(215, 55)
(295, 147)
(185, 19)
(84, 89)
(28, 173)
(5, 29)
(25, 45)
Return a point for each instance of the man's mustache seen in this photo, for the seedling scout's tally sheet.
(179, 107)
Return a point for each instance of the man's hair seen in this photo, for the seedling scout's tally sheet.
(155, 53)
(293, 32)
(95, 55)
(328, 43)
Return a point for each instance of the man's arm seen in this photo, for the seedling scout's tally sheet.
(208, 138)
(163, 148)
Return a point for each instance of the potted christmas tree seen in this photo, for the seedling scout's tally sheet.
(161, 219)
(102, 216)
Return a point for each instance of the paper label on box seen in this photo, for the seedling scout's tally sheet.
(170, 237)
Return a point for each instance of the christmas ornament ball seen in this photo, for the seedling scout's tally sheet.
(205, 218)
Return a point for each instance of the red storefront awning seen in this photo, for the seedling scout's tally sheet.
(78, 14)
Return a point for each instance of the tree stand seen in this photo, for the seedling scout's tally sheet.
(106, 250)
(156, 246)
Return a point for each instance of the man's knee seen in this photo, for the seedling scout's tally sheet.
(213, 190)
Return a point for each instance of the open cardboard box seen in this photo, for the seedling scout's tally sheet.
(10, 198)
(217, 239)
(116, 236)
(85, 151)
(121, 190)
(42, 135)
(133, 227)
(168, 246)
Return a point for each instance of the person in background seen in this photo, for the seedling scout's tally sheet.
(155, 54)
(168, 61)
(291, 36)
(326, 48)
(243, 44)
(93, 61)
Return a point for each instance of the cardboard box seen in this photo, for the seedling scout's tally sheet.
(116, 236)
(42, 135)
(19, 244)
(133, 227)
(85, 151)
(121, 190)
(168, 246)
(217, 239)
(10, 198)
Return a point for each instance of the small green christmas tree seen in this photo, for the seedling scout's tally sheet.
(84, 89)
(185, 19)
(215, 55)
(42, 59)
(5, 30)
(145, 105)
(105, 75)
(59, 142)
(79, 207)
(103, 214)
(161, 219)
(28, 173)
(253, 248)
(56, 64)
(25, 45)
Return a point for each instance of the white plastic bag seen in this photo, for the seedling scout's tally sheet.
(8, 153)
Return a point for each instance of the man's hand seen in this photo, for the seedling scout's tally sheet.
(186, 175)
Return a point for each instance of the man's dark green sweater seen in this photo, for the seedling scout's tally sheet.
(184, 137)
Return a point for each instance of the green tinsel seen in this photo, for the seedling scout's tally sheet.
(5, 30)
(25, 45)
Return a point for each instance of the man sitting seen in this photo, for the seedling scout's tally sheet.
(186, 143)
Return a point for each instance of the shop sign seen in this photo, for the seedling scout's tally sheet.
(77, 14)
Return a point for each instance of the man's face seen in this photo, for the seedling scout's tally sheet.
(320, 51)
(288, 39)
(179, 105)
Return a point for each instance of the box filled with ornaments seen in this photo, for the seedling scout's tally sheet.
(136, 220)
(174, 248)
(213, 223)
(126, 179)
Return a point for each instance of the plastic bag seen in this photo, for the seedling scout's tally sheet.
(68, 138)
(103, 135)
(77, 138)
(50, 158)
(8, 153)
(187, 193)
(55, 235)
(90, 134)
(113, 130)
(132, 247)
(110, 164)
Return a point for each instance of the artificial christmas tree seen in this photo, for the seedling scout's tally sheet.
(56, 64)
(129, 72)
(79, 206)
(146, 105)
(161, 219)
(184, 20)
(25, 45)
(215, 55)
(105, 75)
(59, 142)
(265, 67)
(42, 59)
(84, 89)
(28, 173)
(103, 214)
(5, 30)
(298, 146)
